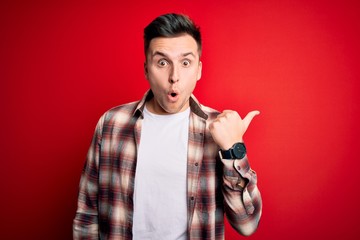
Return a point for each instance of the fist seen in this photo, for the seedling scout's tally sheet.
(228, 128)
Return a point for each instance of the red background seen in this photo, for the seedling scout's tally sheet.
(64, 64)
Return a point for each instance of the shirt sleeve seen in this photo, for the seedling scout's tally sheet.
(242, 199)
(85, 225)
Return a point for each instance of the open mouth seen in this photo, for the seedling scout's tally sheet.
(173, 96)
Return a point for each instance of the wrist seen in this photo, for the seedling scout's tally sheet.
(230, 144)
(236, 151)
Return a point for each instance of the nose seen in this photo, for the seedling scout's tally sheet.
(174, 75)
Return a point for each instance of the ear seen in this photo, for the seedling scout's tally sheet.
(199, 71)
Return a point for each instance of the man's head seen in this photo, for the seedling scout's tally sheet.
(172, 65)
(171, 25)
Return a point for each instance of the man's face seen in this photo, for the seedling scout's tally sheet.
(172, 68)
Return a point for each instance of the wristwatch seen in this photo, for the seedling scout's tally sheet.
(237, 151)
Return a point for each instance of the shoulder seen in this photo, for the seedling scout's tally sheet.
(119, 115)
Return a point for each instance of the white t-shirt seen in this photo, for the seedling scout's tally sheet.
(160, 206)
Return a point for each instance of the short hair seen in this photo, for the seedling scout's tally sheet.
(171, 25)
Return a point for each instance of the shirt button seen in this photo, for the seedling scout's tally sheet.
(196, 164)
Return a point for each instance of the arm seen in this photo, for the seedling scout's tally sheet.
(243, 205)
(85, 224)
(242, 199)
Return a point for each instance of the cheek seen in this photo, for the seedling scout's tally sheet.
(190, 85)
(156, 75)
(192, 76)
(157, 79)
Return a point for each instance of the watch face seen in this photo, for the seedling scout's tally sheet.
(239, 150)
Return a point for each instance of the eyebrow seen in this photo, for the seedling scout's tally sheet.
(165, 55)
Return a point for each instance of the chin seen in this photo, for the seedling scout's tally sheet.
(172, 110)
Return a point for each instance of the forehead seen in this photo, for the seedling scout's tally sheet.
(173, 46)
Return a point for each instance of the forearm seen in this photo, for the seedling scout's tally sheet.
(243, 204)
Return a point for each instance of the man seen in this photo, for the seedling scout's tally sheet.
(167, 167)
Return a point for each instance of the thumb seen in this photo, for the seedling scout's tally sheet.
(249, 117)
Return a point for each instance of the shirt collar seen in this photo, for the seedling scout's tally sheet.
(195, 106)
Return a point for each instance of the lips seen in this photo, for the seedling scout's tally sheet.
(173, 95)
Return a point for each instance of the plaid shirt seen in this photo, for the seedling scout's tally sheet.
(214, 186)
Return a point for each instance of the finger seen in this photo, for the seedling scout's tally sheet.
(249, 117)
(227, 111)
(224, 113)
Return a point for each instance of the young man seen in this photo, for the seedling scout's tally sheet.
(167, 167)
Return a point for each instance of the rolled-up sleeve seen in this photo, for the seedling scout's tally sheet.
(242, 198)
(85, 225)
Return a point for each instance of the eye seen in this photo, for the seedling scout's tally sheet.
(186, 63)
(162, 63)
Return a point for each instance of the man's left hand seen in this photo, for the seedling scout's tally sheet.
(228, 128)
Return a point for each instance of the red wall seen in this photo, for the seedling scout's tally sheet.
(63, 64)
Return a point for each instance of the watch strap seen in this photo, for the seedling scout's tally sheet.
(237, 151)
(226, 154)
